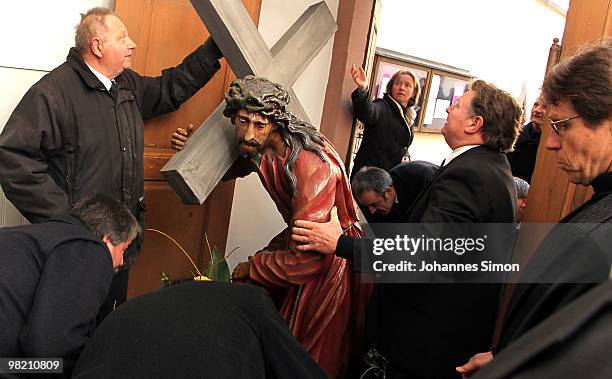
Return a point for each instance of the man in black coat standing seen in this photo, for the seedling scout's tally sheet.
(55, 275)
(425, 330)
(523, 158)
(80, 129)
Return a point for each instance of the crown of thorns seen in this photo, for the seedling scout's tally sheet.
(257, 95)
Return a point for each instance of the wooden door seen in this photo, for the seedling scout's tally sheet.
(165, 32)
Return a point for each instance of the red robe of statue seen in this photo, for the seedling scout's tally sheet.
(317, 289)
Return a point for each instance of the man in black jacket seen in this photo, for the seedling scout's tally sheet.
(197, 329)
(389, 195)
(576, 254)
(55, 275)
(425, 330)
(523, 158)
(79, 130)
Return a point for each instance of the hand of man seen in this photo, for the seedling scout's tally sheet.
(317, 236)
(241, 272)
(475, 363)
(180, 137)
(359, 77)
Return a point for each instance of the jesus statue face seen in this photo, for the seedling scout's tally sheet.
(252, 132)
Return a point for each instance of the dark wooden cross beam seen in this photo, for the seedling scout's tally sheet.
(197, 169)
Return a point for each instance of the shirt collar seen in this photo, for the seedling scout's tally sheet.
(457, 152)
(105, 81)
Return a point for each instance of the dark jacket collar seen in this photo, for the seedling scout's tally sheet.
(602, 184)
(393, 103)
(77, 63)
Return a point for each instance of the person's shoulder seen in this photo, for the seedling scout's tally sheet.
(53, 81)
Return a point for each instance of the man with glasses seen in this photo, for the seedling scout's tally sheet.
(577, 253)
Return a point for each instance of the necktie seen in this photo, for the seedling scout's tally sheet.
(114, 90)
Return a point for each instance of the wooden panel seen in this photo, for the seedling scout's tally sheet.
(552, 196)
(350, 46)
(136, 15)
(184, 223)
(165, 32)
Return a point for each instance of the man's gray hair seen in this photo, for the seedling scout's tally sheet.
(522, 188)
(106, 217)
(370, 178)
(93, 22)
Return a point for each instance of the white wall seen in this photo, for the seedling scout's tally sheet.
(255, 220)
(35, 36)
(503, 42)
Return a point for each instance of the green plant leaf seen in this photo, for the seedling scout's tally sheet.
(219, 270)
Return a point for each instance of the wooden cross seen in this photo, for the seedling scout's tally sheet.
(195, 171)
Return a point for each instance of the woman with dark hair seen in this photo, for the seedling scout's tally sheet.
(388, 121)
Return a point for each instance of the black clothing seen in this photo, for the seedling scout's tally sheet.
(523, 158)
(476, 186)
(429, 329)
(196, 329)
(386, 135)
(409, 180)
(572, 258)
(54, 277)
(572, 343)
(68, 137)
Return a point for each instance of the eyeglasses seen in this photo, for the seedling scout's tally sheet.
(558, 126)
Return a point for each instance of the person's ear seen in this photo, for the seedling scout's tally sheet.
(108, 243)
(476, 125)
(389, 192)
(96, 47)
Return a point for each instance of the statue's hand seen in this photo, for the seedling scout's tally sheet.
(180, 137)
(241, 272)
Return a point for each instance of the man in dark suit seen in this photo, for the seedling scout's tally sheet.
(55, 275)
(389, 195)
(197, 329)
(425, 330)
(576, 254)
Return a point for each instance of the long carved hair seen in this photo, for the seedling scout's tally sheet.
(269, 99)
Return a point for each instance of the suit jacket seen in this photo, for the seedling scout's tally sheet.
(409, 180)
(573, 258)
(429, 329)
(475, 187)
(573, 343)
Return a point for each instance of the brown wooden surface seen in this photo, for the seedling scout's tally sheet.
(552, 196)
(165, 32)
(350, 42)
